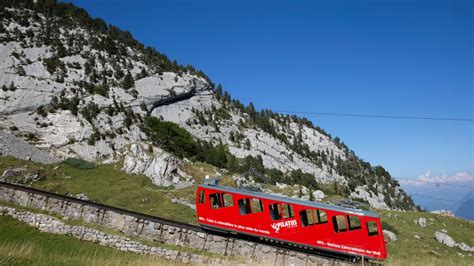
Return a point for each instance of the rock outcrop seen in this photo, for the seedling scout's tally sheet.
(159, 165)
(443, 238)
(447, 213)
(20, 175)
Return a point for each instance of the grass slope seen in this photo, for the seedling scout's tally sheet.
(21, 244)
(108, 185)
(408, 250)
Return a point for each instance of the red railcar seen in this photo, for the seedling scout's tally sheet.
(298, 222)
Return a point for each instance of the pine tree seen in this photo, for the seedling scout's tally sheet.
(219, 92)
(12, 87)
(128, 81)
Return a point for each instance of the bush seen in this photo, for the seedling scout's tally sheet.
(79, 163)
(170, 137)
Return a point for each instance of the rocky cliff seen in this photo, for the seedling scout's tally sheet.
(74, 86)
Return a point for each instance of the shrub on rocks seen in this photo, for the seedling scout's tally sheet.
(79, 163)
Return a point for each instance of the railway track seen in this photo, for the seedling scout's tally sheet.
(280, 246)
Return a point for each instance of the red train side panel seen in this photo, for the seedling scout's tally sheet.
(294, 221)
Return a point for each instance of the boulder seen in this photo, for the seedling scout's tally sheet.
(318, 195)
(444, 239)
(389, 235)
(421, 222)
(464, 247)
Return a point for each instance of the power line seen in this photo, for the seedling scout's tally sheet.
(378, 116)
(436, 183)
(454, 119)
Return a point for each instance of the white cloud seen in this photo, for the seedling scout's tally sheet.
(427, 178)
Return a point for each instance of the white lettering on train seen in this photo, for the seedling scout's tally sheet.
(286, 224)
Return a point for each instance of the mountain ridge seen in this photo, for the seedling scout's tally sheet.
(78, 87)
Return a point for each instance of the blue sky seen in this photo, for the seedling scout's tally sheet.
(406, 58)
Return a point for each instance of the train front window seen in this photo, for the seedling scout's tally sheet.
(244, 206)
(372, 228)
(257, 205)
(306, 217)
(201, 196)
(215, 200)
(287, 211)
(339, 223)
(275, 211)
(354, 222)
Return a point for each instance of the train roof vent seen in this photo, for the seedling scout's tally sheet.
(251, 188)
(212, 181)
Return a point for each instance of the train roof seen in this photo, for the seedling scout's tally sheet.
(291, 200)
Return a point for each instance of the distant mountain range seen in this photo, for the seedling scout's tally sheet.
(466, 210)
(459, 199)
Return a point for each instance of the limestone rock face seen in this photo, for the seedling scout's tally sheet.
(159, 165)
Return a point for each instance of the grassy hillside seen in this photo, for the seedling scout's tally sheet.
(21, 244)
(107, 184)
(408, 250)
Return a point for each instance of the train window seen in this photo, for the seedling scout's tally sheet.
(257, 205)
(306, 217)
(244, 206)
(228, 200)
(321, 217)
(354, 222)
(372, 228)
(275, 211)
(215, 200)
(339, 223)
(287, 211)
(201, 196)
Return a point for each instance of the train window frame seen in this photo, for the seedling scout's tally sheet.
(336, 223)
(319, 214)
(305, 221)
(374, 225)
(259, 204)
(202, 197)
(245, 202)
(213, 198)
(224, 203)
(351, 225)
(290, 211)
(275, 211)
